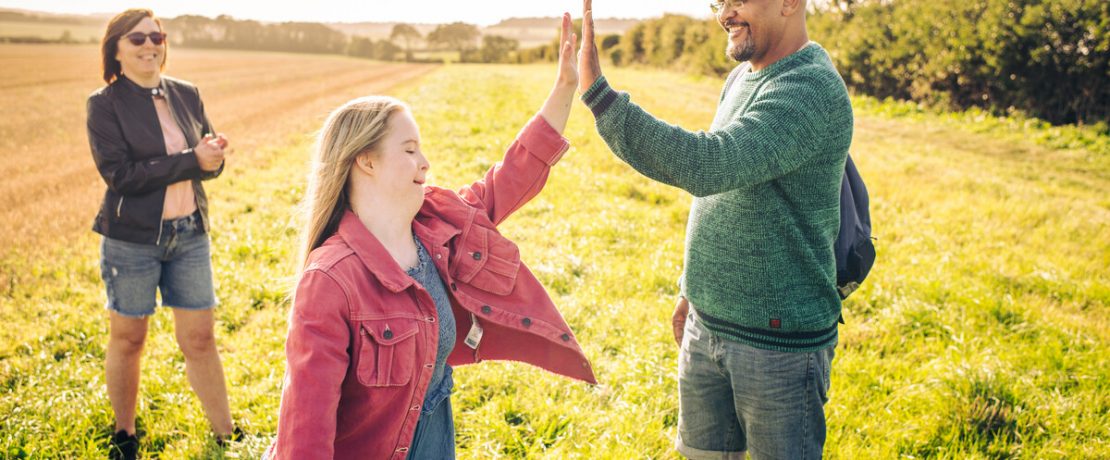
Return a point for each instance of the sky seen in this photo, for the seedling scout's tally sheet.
(481, 12)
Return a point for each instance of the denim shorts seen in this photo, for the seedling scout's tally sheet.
(734, 398)
(180, 266)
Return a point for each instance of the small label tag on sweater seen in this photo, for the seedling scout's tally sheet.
(475, 335)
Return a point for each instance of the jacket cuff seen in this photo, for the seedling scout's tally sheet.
(542, 141)
(191, 165)
(599, 97)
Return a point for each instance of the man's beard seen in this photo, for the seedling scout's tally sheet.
(741, 52)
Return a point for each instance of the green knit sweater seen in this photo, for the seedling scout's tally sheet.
(766, 179)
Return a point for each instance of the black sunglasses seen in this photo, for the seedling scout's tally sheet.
(138, 38)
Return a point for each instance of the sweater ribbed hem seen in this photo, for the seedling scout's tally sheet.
(789, 341)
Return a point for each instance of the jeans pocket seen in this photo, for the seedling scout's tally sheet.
(823, 361)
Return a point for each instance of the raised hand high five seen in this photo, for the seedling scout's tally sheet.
(568, 67)
(556, 109)
(588, 64)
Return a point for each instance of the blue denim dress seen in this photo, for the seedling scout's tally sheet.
(435, 431)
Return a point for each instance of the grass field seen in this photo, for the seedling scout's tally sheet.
(982, 333)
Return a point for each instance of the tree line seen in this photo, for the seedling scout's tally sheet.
(225, 32)
(1044, 58)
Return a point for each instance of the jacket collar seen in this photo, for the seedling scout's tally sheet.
(139, 90)
(433, 232)
(372, 254)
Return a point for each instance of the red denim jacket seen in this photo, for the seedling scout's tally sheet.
(362, 334)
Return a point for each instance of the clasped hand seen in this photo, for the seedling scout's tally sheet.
(210, 152)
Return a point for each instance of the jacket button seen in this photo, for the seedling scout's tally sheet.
(566, 337)
(486, 309)
(477, 255)
(388, 334)
(526, 322)
(453, 287)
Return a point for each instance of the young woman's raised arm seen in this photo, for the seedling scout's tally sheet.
(556, 109)
(521, 175)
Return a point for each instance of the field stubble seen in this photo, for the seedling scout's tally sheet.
(260, 99)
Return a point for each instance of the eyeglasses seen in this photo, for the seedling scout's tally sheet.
(720, 6)
(138, 38)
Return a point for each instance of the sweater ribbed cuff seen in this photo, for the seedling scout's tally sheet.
(599, 97)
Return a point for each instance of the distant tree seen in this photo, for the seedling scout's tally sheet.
(609, 41)
(248, 34)
(311, 37)
(385, 50)
(406, 33)
(227, 32)
(193, 31)
(1046, 58)
(360, 47)
(496, 48)
(382, 50)
(548, 52)
(457, 35)
(632, 44)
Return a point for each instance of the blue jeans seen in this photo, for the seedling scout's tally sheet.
(734, 398)
(180, 266)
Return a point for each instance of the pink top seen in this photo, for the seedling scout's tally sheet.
(180, 200)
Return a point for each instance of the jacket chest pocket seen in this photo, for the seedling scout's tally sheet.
(487, 261)
(387, 352)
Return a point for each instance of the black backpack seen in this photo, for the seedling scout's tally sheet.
(855, 253)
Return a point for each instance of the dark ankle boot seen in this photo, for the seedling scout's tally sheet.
(235, 436)
(123, 446)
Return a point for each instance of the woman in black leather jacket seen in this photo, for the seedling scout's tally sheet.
(153, 145)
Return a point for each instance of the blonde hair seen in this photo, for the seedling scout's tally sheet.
(352, 129)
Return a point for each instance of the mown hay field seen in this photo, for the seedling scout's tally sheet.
(257, 98)
(982, 333)
(86, 33)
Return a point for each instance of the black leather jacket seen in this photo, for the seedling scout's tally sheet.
(130, 153)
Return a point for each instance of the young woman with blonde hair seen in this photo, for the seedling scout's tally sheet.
(399, 280)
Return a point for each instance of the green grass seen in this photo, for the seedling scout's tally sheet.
(1095, 139)
(982, 333)
(445, 57)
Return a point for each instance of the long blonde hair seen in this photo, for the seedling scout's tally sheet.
(352, 129)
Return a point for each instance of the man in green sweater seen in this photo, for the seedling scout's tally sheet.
(757, 318)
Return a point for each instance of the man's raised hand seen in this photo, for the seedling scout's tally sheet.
(589, 67)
